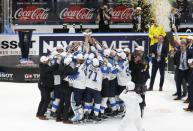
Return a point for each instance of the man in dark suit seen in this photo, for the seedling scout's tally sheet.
(137, 20)
(174, 23)
(174, 19)
(190, 106)
(190, 44)
(182, 68)
(159, 52)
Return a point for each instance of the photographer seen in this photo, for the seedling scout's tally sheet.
(103, 18)
(138, 67)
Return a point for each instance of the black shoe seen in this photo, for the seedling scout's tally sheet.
(86, 117)
(113, 113)
(53, 114)
(175, 94)
(103, 116)
(121, 110)
(96, 118)
(183, 95)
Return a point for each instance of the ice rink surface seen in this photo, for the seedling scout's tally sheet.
(19, 102)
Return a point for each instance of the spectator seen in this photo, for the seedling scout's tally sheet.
(174, 22)
(103, 18)
(159, 52)
(182, 68)
(137, 20)
(154, 32)
(190, 106)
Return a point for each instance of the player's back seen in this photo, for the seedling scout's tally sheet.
(80, 81)
(124, 76)
(94, 78)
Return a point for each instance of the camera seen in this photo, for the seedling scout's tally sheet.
(100, 10)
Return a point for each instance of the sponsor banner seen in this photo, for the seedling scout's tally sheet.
(121, 13)
(4, 76)
(81, 14)
(41, 12)
(31, 13)
(47, 43)
(58, 12)
(9, 45)
(43, 44)
(31, 77)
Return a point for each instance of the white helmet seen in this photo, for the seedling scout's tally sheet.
(80, 57)
(122, 55)
(59, 47)
(95, 62)
(107, 52)
(141, 48)
(119, 50)
(130, 85)
(43, 59)
(127, 50)
(91, 56)
(93, 49)
(67, 61)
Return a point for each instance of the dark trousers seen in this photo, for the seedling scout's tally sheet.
(180, 75)
(78, 95)
(183, 84)
(91, 94)
(103, 28)
(64, 105)
(25, 50)
(142, 104)
(161, 68)
(170, 38)
(191, 92)
(56, 91)
(45, 99)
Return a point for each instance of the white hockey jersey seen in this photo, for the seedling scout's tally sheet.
(124, 74)
(132, 101)
(79, 82)
(94, 78)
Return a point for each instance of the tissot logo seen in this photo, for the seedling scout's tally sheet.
(6, 75)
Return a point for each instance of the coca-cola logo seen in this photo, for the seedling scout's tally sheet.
(121, 13)
(31, 13)
(76, 13)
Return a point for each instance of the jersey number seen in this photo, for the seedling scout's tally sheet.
(127, 71)
(95, 75)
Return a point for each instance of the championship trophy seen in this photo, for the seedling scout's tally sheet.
(25, 44)
(87, 32)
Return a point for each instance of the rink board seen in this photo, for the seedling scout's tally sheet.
(42, 44)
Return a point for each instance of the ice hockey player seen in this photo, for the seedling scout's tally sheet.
(78, 89)
(93, 88)
(132, 114)
(45, 85)
(65, 91)
(123, 77)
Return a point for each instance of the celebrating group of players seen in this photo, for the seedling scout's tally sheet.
(83, 81)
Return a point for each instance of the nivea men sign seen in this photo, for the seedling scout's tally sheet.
(47, 43)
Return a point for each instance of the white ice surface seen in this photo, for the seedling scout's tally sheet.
(19, 102)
